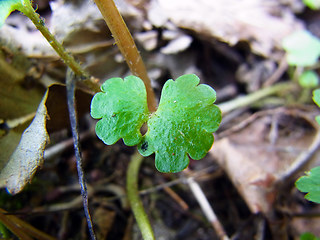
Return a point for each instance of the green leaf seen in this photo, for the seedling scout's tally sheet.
(182, 125)
(122, 108)
(308, 236)
(310, 183)
(8, 6)
(312, 4)
(303, 49)
(316, 97)
(309, 79)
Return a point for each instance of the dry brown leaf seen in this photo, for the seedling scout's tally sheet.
(18, 100)
(52, 115)
(258, 155)
(262, 23)
(28, 155)
(103, 220)
(58, 110)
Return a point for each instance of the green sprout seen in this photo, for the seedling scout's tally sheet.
(316, 99)
(310, 183)
(309, 79)
(182, 125)
(312, 4)
(303, 48)
(303, 52)
(8, 6)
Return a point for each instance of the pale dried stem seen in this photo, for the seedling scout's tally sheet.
(206, 208)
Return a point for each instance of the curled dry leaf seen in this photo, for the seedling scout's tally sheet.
(52, 115)
(28, 156)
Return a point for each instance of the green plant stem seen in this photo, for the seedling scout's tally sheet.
(134, 199)
(126, 46)
(253, 97)
(4, 233)
(69, 60)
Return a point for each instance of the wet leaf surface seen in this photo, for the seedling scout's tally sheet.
(182, 125)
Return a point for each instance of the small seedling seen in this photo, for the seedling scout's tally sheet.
(312, 4)
(309, 79)
(303, 52)
(8, 6)
(182, 125)
(310, 183)
(316, 99)
(303, 48)
(308, 236)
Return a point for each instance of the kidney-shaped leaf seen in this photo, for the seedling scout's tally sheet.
(182, 125)
(312, 4)
(310, 183)
(122, 108)
(303, 48)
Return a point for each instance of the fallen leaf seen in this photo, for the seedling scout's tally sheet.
(232, 21)
(103, 220)
(21, 162)
(256, 157)
(18, 101)
(28, 156)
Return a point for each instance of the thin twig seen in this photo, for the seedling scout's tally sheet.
(70, 81)
(110, 188)
(302, 160)
(177, 198)
(206, 208)
(58, 148)
(283, 66)
(68, 59)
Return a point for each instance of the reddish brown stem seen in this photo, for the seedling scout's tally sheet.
(126, 45)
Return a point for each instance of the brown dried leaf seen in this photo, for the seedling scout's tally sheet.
(262, 23)
(28, 156)
(52, 115)
(258, 155)
(103, 220)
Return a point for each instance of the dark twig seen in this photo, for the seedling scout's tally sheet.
(70, 82)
